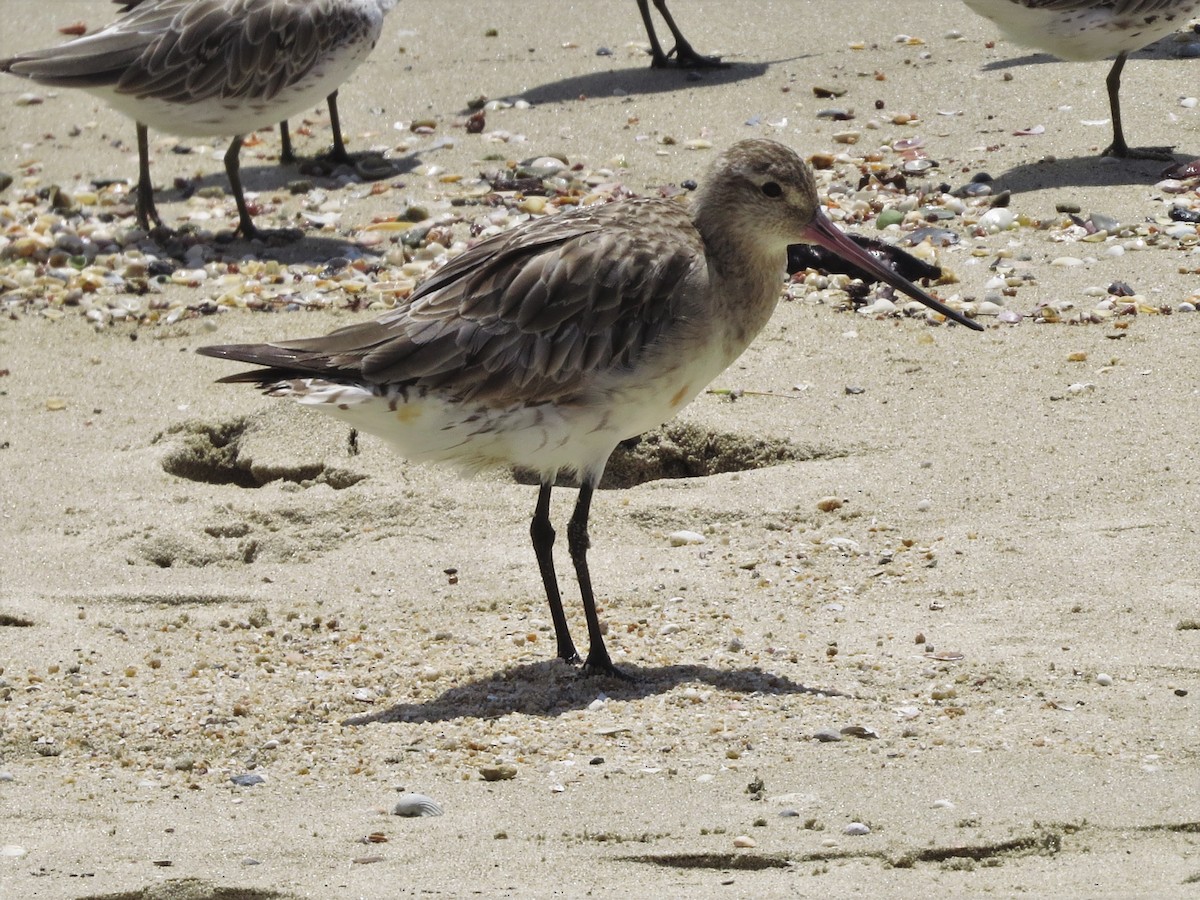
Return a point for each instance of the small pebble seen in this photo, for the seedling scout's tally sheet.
(501, 772)
(744, 841)
(856, 828)
(1104, 679)
(248, 780)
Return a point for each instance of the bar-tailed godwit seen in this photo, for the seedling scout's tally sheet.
(549, 344)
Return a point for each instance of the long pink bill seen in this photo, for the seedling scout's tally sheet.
(824, 233)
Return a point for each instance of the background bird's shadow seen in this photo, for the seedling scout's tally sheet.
(551, 688)
(1164, 49)
(268, 175)
(1083, 171)
(640, 80)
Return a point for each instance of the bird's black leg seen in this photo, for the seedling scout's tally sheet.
(232, 169)
(598, 661)
(146, 211)
(658, 59)
(685, 56)
(338, 153)
(1118, 147)
(287, 155)
(542, 533)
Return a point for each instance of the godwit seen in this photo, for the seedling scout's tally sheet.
(549, 344)
(1085, 30)
(212, 67)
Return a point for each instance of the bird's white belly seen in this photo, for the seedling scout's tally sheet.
(576, 436)
(1091, 31)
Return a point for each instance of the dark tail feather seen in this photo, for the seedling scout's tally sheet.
(278, 363)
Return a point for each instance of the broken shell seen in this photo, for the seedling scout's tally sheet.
(413, 806)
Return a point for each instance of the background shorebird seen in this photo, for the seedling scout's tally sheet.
(549, 344)
(286, 154)
(212, 67)
(1086, 30)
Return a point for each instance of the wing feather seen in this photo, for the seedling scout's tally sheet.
(528, 315)
(229, 49)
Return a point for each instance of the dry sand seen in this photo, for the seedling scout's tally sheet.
(1003, 542)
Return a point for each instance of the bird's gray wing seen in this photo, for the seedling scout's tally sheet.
(191, 50)
(528, 315)
(1120, 7)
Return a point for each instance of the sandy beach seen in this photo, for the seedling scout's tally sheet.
(940, 634)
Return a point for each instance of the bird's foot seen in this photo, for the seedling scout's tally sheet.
(1121, 151)
(684, 57)
(599, 664)
(570, 655)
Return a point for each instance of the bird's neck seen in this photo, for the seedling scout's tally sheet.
(745, 270)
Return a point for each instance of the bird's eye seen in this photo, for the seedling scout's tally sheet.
(772, 189)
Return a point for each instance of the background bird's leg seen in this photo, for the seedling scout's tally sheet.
(1118, 147)
(245, 223)
(287, 155)
(598, 661)
(542, 533)
(658, 59)
(146, 211)
(338, 153)
(683, 53)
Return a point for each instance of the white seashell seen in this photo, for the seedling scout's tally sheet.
(1171, 186)
(856, 828)
(413, 806)
(997, 219)
(881, 307)
(680, 538)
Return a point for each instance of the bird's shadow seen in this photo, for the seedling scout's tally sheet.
(267, 175)
(552, 688)
(643, 80)
(1082, 171)
(1163, 49)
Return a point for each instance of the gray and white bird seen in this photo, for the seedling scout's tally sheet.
(1086, 30)
(212, 68)
(546, 346)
